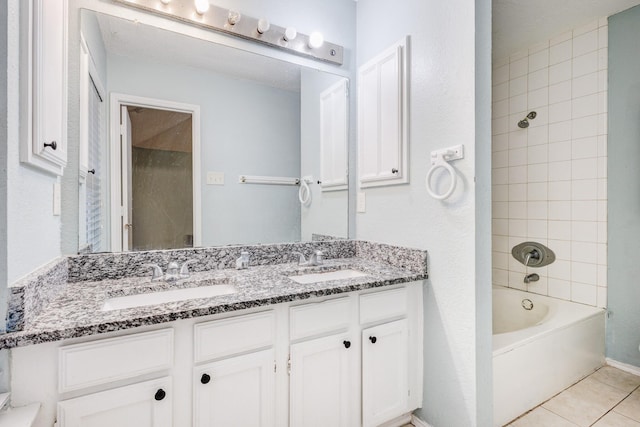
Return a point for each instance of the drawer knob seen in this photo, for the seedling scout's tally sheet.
(373, 340)
(205, 378)
(52, 144)
(347, 344)
(394, 170)
(160, 394)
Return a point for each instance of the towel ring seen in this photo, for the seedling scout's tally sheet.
(441, 163)
(304, 193)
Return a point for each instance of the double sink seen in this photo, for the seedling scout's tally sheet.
(213, 289)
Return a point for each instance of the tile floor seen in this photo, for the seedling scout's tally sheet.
(607, 398)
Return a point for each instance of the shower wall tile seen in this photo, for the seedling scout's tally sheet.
(550, 179)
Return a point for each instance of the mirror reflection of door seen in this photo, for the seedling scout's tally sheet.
(156, 179)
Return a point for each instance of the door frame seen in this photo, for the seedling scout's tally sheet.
(116, 101)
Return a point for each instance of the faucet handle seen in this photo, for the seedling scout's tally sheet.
(319, 256)
(156, 273)
(301, 259)
(184, 270)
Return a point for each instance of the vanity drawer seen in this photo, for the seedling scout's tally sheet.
(112, 359)
(235, 335)
(319, 318)
(383, 305)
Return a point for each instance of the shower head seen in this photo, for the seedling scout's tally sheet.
(524, 123)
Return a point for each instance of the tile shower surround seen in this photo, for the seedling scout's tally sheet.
(550, 180)
(31, 294)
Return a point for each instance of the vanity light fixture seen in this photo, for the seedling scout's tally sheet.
(263, 26)
(233, 23)
(316, 40)
(234, 17)
(202, 6)
(290, 34)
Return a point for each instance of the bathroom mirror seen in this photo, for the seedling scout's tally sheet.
(185, 142)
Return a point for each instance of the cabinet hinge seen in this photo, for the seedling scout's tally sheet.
(289, 365)
(122, 129)
(275, 367)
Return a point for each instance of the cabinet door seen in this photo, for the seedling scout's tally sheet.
(146, 404)
(239, 391)
(385, 389)
(46, 147)
(321, 382)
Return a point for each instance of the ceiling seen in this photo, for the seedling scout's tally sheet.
(518, 24)
(135, 40)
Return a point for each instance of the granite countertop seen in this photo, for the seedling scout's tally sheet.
(77, 311)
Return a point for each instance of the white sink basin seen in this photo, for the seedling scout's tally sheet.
(162, 297)
(325, 277)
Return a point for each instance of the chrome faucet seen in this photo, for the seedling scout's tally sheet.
(173, 271)
(315, 258)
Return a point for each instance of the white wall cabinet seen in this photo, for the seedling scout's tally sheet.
(45, 112)
(236, 391)
(146, 404)
(303, 364)
(385, 369)
(382, 118)
(322, 381)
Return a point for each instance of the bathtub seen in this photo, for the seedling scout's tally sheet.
(539, 352)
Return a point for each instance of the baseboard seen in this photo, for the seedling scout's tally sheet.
(417, 422)
(398, 422)
(623, 366)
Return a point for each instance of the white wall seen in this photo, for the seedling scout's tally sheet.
(550, 180)
(33, 233)
(442, 113)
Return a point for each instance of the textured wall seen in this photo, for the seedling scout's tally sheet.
(623, 325)
(442, 113)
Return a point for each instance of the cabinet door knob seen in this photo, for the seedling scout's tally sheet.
(205, 378)
(346, 343)
(52, 144)
(93, 171)
(160, 394)
(394, 170)
(373, 340)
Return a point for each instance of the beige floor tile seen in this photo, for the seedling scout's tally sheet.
(630, 407)
(617, 378)
(585, 402)
(541, 417)
(613, 419)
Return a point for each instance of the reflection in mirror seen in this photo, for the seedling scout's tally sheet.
(253, 116)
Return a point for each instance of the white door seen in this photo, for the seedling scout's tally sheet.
(385, 389)
(147, 404)
(321, 382)
(126, 179)
(239, 391)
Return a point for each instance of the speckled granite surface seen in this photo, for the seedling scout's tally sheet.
(75, 308)
(28, 296)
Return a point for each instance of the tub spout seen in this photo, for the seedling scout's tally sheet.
(533, 277)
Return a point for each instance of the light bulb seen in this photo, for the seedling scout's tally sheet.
(315, 40)
(165, 1)
(290, 33)
(263, 26)
(233, 17)
(202, 6)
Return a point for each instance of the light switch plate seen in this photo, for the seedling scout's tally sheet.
(215, 178)
(361, 202)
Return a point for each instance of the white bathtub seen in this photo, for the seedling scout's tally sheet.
(539, 352)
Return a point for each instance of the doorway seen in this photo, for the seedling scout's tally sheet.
(155, 175)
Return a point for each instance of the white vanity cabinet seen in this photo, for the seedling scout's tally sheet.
(239, 388)
(45, 112)
(145, 404)
(305, 363)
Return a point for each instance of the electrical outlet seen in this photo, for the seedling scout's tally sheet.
(361, 202)
(215, 178)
